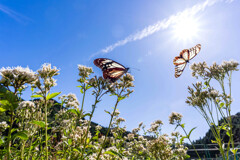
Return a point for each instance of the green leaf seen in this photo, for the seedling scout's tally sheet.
(39, 123)
(87, 114)
(74, 111)
(221, 105)
(95, 138)
(234, 151)
(69, 141)
(121, 98)
(110, 152)
(22, 135)
(107, 112)
(182, 125)
(228, 133)
(2, 109)
(79, 86)
(81, 90)
(191, 132)
(182, 139)
(5, 102)
(2, 89)
(88, 87)
(13, 130)
(76, 150)
(116, 153)
(37, 96)
(52, 95)
(213, 141)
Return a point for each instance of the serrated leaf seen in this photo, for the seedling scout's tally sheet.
(39, 123)
(73, 111)
(37, 96)
(22, 135)
(52, 95)
(221, 105)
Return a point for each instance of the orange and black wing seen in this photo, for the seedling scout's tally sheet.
(113, 74)
(112, 70)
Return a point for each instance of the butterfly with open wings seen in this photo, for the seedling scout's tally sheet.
(181, 61)
(111, 69)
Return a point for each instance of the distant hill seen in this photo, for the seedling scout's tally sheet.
(209, 136)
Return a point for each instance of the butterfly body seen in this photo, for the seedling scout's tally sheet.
(111, 69)
(184, 57)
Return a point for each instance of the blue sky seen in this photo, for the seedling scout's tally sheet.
(66, 33)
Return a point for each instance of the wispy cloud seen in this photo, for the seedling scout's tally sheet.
(160, 25)
(11, 13)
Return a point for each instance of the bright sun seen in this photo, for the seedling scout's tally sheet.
(186, 28)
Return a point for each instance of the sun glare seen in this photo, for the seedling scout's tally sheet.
(186, 28)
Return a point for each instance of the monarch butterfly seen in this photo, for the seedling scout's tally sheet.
(185, 55)
(111, 69)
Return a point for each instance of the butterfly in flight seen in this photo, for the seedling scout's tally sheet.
(111, 69)
(181, 61)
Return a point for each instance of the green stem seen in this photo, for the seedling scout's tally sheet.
(46, 126)
(29, 152)
(84, 93)
(22, 150)
(9, 136)
(109, 126)
(90, 119)
(190, 142)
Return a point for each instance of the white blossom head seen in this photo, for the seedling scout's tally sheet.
(84, 72)
(70, 100)
(17, 76)
(175, 118)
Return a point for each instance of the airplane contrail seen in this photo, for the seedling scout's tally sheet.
(17, 16)
(160, 25)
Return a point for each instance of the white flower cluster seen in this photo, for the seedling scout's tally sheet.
(47, 71)
(175, 118)
(215, 71)
(155, 126)
(17, 76)
(70, 100)
(25, 105)
(84, 72)
(3, 126)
